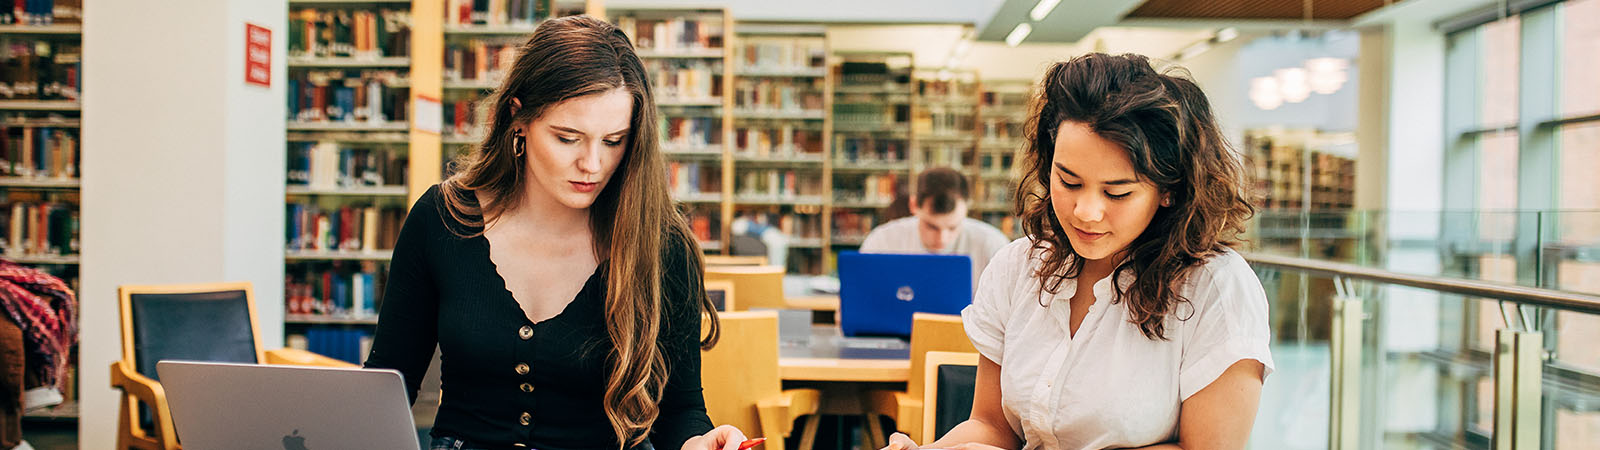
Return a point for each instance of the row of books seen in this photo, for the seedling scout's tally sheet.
(1007, 99)
(767, 94)
(687, 178)
(681, 80)
(778, 184)
(1001, 129)
(997, 162)
(853, 225)
(346, 228)
(868, 115)
(34, 69)
(464, 113)
(39, 152)
(326, 165)
(496, 12)
(675, 34)
(40, 12)
(876, 188)
(42, 228)
(940, 119)
(479, 60)
(347, 96)
(867, 74)
(947, 90)
(690, 132)
(349, 33)
(796, 226)
(782, 54)
(954, 156)
(850, 150)
(340, 288)
(345, 344)
(705, 223)
(782, 141)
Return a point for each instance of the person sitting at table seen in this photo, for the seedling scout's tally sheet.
(939, 224)
(1124, 319)
(560, 284)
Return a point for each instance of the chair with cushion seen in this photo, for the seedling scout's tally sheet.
(742, 385)
(721, 295)
(929, 333)
(197, 322)
(950, 379)
(758, 287)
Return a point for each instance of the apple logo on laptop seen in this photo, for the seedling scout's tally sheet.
(294, 441)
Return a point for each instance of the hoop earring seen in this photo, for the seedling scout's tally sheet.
(518, 145)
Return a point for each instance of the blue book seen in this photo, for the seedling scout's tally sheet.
(346, 98)
(294, 98)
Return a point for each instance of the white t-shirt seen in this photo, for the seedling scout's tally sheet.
(1110, 386)
(977, 239)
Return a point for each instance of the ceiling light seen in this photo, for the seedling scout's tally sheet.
(1293, 84)
(1227, 34)
(1264, 93)
(1042, 9)
(1018, 34)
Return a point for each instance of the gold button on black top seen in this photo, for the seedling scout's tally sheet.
(522, 368)
(527, 387)
(526, 332)
(526, 419)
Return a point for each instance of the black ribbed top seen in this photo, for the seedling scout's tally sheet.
(444, 290)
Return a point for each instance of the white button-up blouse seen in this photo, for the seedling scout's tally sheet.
(1110, 386)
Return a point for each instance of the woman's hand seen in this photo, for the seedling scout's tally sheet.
(725, 437)
(899, 441)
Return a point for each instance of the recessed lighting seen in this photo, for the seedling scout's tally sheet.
(1227, 34)
(1042, 9)
(1018, 34)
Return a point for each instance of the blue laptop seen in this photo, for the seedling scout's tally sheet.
(879, 292)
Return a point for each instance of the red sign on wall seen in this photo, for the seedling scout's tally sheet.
(257, 55)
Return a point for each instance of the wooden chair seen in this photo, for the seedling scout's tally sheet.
(757, 286)
(929, 333)
(205, 322)
(951, 389)
(742, 387)
(721, 294)
(726, 260)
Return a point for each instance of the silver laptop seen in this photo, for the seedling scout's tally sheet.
(218, 406)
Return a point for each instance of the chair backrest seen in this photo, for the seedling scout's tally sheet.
(727, 260)
(742, 369)
(934, 333)
(201, 322)
(721, 294)
(747, 246)
(951, 379)
(756, 286)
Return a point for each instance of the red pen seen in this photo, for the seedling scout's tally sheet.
(746, 445)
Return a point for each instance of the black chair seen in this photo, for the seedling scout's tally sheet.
(951, 378)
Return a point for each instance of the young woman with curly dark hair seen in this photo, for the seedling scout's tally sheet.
(1123, 319)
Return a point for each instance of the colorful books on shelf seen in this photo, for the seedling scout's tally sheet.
(36, 69)
(354, 96)
(48, 228)
(345, 344)
(346, 228)
(673, 35)
(782, 55)
(873, 189)
(348, 290)
(685, 80)
(479, 60)
(852, 226)
(692, 178)
(691, 132)
(463, 114)
(332, 33)
(701, 223)
(795, 226)
(784, 140)
(496, 12)
(867, 151)
(778, 185)
(40, 12)
(325, 165)
(42, 151)
(768, 94)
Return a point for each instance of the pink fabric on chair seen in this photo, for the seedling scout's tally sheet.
(45, 308)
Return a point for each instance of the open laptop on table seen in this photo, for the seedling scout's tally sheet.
(879, 292)
(249, 406)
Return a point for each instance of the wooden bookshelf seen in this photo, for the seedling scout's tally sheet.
(48, 192)
(872, 143)
(1002, 115)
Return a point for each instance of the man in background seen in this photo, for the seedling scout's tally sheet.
(939, 224)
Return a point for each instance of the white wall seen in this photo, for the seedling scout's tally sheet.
(183, 169)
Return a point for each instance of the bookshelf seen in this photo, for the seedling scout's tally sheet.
(872, 138)
(687, 54)
(944, 120)
(1302, 169)
(349, 165)
(40, 149)
(780, 128)
(1002, 114)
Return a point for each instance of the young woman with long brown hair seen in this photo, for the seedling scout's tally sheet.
(553, 271)
(1123, 319)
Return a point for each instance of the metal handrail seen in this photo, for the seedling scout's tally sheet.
(1573, 301)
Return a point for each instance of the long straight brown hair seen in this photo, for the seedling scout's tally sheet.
(634, 221)
(1165, 124)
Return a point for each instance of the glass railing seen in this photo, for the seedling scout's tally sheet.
(1370, 363)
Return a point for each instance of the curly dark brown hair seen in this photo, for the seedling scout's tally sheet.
(1165, 123)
